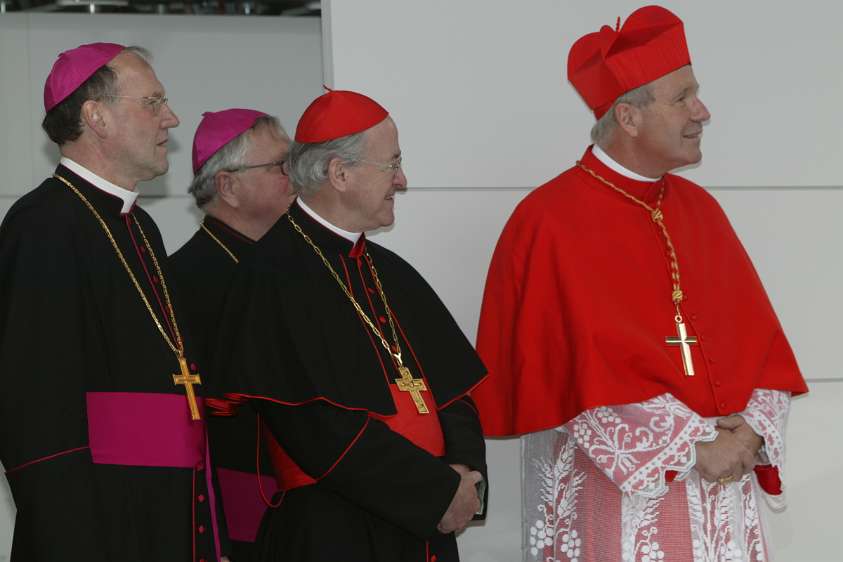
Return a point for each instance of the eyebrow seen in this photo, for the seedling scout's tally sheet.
(687, 90)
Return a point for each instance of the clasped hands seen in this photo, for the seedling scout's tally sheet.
(465, 502)
(730, 456)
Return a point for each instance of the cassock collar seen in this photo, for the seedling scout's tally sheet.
(127, 197)
(350, 236)
(647, 190)
(233, 239)
(109, 206)
(326, 235)
(601, 155)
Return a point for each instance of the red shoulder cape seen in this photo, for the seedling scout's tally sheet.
(577, 306)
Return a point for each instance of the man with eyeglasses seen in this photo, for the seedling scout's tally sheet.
(103, 436)
(240, 183)
(359, 374)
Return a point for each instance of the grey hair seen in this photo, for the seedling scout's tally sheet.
(308, 162)
(139, 51)
(641, 96)
(230, 156)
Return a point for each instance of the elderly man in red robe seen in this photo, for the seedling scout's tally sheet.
(627, 334)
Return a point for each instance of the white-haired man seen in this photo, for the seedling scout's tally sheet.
(240, 183)
(358, 371)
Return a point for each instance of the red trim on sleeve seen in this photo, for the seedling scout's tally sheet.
(347, 449)
(44, 459)
(244, 397)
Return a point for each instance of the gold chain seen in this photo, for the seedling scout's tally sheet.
(218, 241)
(178, 349)
(658, 218)
(396, 353)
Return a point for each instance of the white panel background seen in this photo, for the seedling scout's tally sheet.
(495, 69)
(484, 113)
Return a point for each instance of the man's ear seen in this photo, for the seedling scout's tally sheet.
(338, 174)
(226, 184)
(95, 116)
(629, 118)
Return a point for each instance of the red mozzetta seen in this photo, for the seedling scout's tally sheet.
(578, 304)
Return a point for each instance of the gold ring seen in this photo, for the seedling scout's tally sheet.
(725, 479)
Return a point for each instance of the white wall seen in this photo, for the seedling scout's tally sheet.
(479, 93)
(205, 63)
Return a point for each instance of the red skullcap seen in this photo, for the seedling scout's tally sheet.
(73, 67)
(217, 129)
(336, 114)
(606, 64)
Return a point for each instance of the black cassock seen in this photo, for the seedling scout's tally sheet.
(73, 327)
(203, 270)
(294, 347)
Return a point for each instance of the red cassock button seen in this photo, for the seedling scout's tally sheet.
(201, 529)
(371, 290)
(201, 498)
(722, 405)
(717, 384)
(382, 319)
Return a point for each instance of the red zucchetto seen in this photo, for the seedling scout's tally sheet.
(606, 64)
(73, 67)
(336, 114)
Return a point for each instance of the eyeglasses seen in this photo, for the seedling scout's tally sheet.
(281, 164)
(155, 103)
(392, 166)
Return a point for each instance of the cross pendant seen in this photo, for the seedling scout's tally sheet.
(188, 380)
(684, 341)
(414, 386)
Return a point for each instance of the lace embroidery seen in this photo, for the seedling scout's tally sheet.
(640, 515)
(725, 526)
(635, 444)
(766, 413)
(553, 535)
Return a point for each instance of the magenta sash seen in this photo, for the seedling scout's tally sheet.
(147, 429)
(144, 429)
(242, 502)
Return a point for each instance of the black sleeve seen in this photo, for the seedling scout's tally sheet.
(464, 443)
(364, 461)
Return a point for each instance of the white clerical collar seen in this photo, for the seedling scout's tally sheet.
(352, 237)
(128, 197)
(610, 163)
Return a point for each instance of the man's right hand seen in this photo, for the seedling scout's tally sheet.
(464, 504)
(727, 457)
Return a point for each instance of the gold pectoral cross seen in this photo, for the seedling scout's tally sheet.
(684, 341)
(414, 386)
(188, 380)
